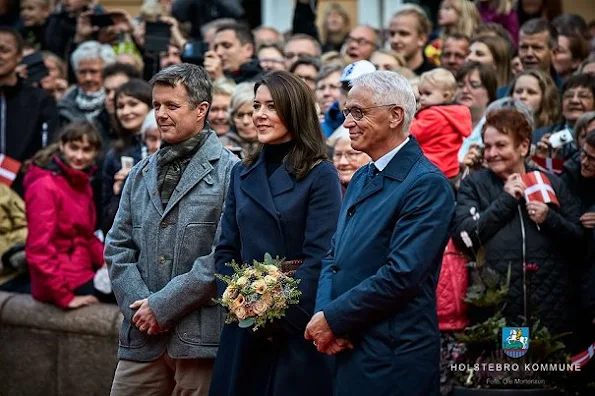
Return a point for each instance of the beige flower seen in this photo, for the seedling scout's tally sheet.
(240, 312)
(242, 281)
(238, 302)
(259, 286)
(270, 280)
(260, 306)
(273, 269)
(230, 293)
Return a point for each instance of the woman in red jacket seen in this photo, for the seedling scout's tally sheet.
(61, 249)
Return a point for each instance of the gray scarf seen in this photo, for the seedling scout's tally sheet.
(90, 103)
(172, 161)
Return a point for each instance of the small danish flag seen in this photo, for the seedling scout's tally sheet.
(584, 357)
(554, 165)
(9, 168)
(539, 188)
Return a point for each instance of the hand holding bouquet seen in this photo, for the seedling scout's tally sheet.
(258, 293)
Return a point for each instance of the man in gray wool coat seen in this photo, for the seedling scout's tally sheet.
(160, 248)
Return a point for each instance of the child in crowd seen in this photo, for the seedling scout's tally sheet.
(61, 249)
(34, 14)
(440, 125)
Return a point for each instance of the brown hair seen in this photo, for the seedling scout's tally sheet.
(510, 122)
(296, 106)
(487, 75)
(549, 110)
(501, 53)
(72, 132)
(578, 46)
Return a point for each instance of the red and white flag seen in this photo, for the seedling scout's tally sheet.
(554, 165)
(9, 168)
(539, 188)
(581, 359)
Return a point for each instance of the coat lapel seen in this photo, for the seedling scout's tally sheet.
(397, 169)
(198, 168)
(150, 180)
(255, 184)
(280, 181)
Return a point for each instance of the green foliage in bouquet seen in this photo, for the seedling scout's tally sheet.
(258, 293)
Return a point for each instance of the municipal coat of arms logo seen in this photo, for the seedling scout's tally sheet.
(515, 341)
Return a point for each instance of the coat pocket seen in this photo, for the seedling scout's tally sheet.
(202, 327)
(131, 337)
(197, 241)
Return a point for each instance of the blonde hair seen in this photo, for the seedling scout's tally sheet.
(398, 57)
(503, 7)
(423, 22)
(469, 18)
(325, 34)
(441, 78)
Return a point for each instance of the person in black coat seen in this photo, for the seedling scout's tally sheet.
(28, 118)
(234, 47)
(283, 200)
(514, 232)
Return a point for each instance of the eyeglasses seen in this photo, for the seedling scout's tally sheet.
(350, 156)
(358, 113)
(359, 41)
(582, 95)
(291, 55)
(472, 84)
(587, 156)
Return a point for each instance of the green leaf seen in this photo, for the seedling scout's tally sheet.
(246, 323)
(268, 259)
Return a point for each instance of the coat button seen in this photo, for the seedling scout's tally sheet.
(334, 268)
(350, 212)
(164, 224)
(162, 259)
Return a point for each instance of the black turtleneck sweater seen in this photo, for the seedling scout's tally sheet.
(274, 154)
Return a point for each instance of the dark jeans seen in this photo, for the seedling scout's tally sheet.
(89, 289)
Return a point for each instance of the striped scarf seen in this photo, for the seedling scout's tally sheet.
(172, 161)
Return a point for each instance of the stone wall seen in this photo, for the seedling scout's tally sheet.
(47, 351)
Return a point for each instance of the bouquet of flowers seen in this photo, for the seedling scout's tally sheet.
(258, 293)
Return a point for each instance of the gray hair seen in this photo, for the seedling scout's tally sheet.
(149, 123)
(389, 88)
(193, 78)
(583, 122)
(510, 103)
(92, 50)
(224, 86)
(244, 93)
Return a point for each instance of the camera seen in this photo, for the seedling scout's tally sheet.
(102, 20)
(194, 52)
(157, 36)
(561, 138)
(36, 69)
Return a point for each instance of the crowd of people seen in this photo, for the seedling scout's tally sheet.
(179, 150)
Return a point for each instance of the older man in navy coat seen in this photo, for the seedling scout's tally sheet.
(376, 302)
